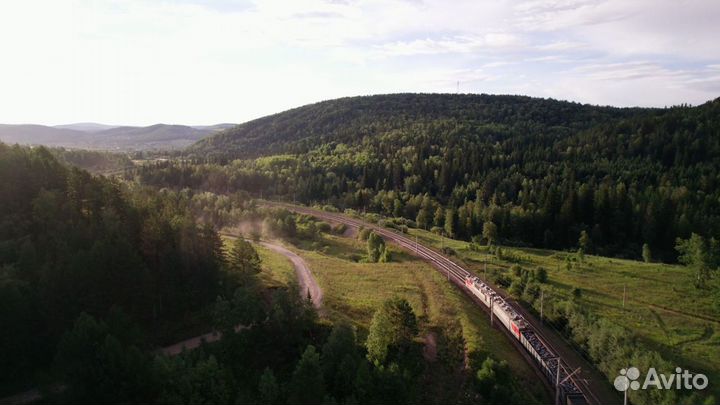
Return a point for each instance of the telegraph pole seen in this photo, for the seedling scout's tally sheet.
(416, 244)
(542, 296)
(624, 287)
(557, 383)
(492, 304)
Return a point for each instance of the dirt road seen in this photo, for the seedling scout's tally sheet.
(593, 384)
(305, 278)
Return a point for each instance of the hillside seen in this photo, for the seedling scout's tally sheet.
(351, 119)
(543, 171)
(159, 136)
(86, 126)
(106, 137)
(29, 134)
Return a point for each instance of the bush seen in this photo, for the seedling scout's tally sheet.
(502, 280)
(364, 234)
(540, 275)
(448, 251)
(339, 229)
(516, 288)
(532, 292)
(323, 227)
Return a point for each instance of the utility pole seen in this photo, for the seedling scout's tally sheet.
(485, 270)
(542, 296)
(492, 303)
(624, 287)
(557, 383)
(416, 244)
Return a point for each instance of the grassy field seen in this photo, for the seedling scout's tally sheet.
(662, 306)
(277, 270)
(354, 290)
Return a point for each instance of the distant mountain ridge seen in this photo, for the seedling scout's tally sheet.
(86, 126)
(90, 135)
(349, 120)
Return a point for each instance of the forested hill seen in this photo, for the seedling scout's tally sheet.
(542, 170)
(349, 120)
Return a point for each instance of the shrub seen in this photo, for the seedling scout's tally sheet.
(540, 275)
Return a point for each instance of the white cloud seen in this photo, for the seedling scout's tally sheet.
(212, 61)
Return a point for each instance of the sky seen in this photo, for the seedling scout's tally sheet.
(198, 62)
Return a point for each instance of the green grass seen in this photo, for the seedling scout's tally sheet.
(662, 307)
(354, 290)
(277, 270)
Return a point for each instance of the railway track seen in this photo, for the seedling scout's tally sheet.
(458, 274)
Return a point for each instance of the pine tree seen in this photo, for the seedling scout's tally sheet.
(307, 385)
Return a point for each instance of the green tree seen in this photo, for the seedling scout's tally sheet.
(490, 232)
(268, 388)
(540, 275)
(439, 217)
(584, 242)
(646, 253)
(307, 385)
(99, 363)
(363, 384)
(516, 288)
(193, 379)
(698, 254)
(340, 343)
(244, 308)
(493, 380)
(450, 222)
(376, 249)
(423, 218)
(243, 258)
(392, 329)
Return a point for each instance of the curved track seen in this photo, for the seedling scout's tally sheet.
(591, 383)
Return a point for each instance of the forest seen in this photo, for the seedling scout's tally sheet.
(96, 274)
(543, 171)
(73, 243)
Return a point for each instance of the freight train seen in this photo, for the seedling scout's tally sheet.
(547, 360)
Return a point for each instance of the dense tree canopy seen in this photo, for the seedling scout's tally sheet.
(73, 243)
(542, 170)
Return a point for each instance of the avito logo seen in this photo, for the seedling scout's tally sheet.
(682, 379)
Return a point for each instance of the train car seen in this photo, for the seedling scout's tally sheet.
(479, 289)
(546, 359)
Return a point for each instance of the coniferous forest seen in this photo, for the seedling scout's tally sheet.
(542, 170)
(98, 274)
